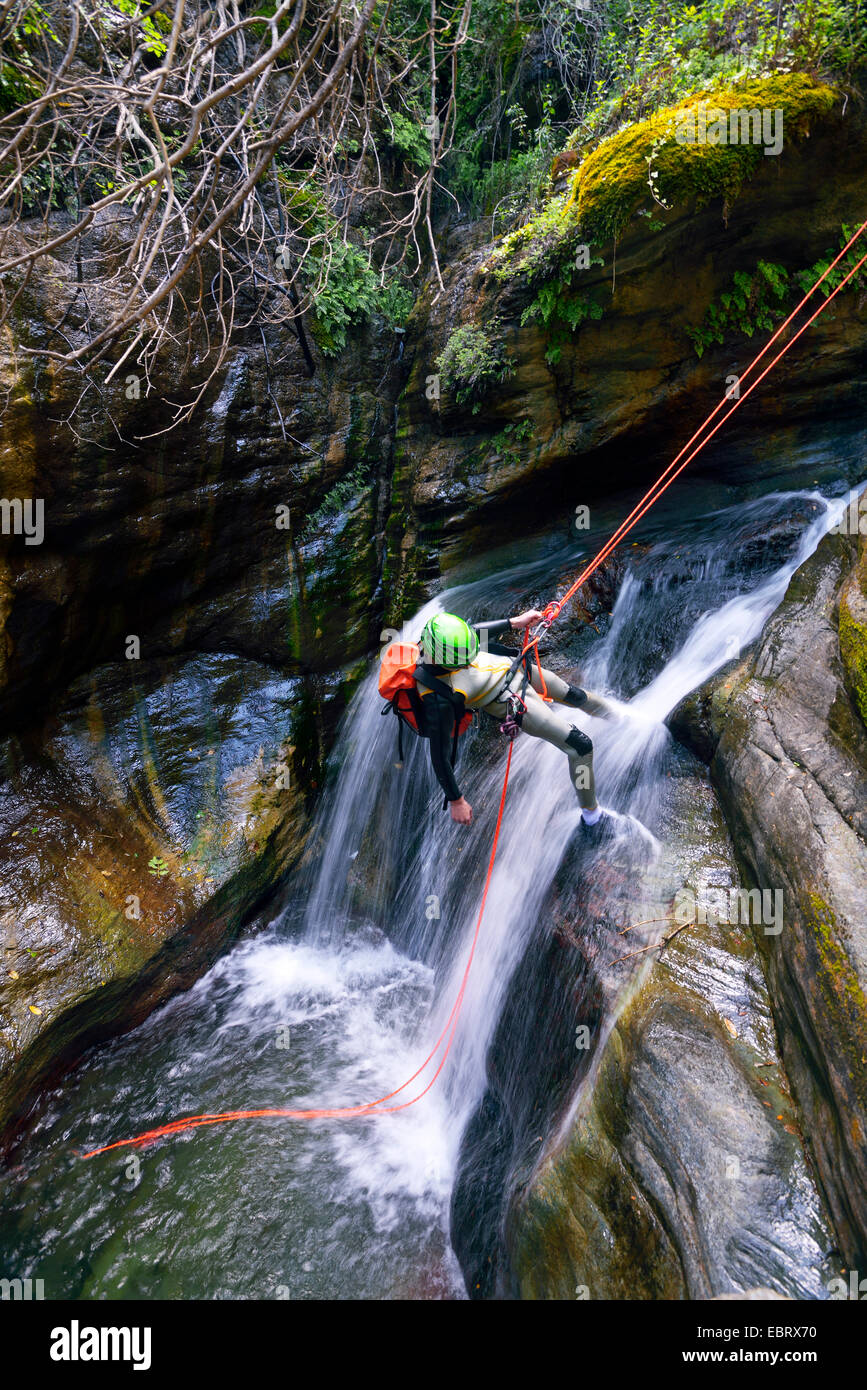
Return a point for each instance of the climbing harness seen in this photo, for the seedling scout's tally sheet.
(549, 615)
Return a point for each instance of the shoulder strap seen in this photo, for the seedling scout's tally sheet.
(440, 689)
(428, 675)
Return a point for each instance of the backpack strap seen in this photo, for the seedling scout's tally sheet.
(429, 677)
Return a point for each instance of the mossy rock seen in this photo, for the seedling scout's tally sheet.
(853, 632)
(611, 181)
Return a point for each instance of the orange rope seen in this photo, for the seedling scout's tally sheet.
(552, 612)
(544, 690)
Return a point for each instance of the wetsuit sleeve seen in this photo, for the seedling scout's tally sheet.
(442, 720)
(495, 628)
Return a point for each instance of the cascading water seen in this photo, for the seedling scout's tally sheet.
(340, 999)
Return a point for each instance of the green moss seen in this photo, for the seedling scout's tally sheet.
(613, 179)
(853, 637)
(841, 990)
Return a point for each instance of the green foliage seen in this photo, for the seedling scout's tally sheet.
(152, 27)
(504, 187)
(345, 286)
(395, 301)
(347, 290)
(758, 300)
(497, 157)
(504, 442)
(660, 51)
(336, 500)
(410, 138)
(753, 302)
(613, 178)
(561, 309)
(621, 63)
(807, 278)
(611, 183)
(19, 83)
(471, 362)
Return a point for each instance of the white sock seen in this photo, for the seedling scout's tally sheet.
(591, 817)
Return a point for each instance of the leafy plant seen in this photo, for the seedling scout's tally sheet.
(336, 500)
(471, 362)
(157, 866)
(756, 300)
(347, 290)
(410, 138)
(504, 442)
(561, 309)
(395, 301)
(753, 302)
(807, 278)
(19, 83)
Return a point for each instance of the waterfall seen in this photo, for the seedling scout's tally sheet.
(363, 969)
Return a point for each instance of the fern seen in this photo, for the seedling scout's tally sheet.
(753, 302)
(757, 301)
(471, 362)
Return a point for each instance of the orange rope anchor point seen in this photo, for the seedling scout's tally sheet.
(551, 613)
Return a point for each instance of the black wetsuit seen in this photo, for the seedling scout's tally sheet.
(441, 719)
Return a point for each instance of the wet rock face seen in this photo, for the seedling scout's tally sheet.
(628, 389)
(788, 754)
(532, 1066)
(228, 533)
(155, 812)
(663, 1159)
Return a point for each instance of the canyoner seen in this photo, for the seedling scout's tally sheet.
(456, 669)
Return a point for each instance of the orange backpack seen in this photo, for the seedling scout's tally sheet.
(400, 664)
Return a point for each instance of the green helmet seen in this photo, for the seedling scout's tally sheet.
(448, 641)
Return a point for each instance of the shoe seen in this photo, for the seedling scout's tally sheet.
(600, 830)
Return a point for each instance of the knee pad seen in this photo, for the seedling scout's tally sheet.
(576, 697)
(580, 742)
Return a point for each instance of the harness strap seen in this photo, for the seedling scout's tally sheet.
(441, 690)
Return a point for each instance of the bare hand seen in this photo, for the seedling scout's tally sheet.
(527, 619)
(462, 811)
